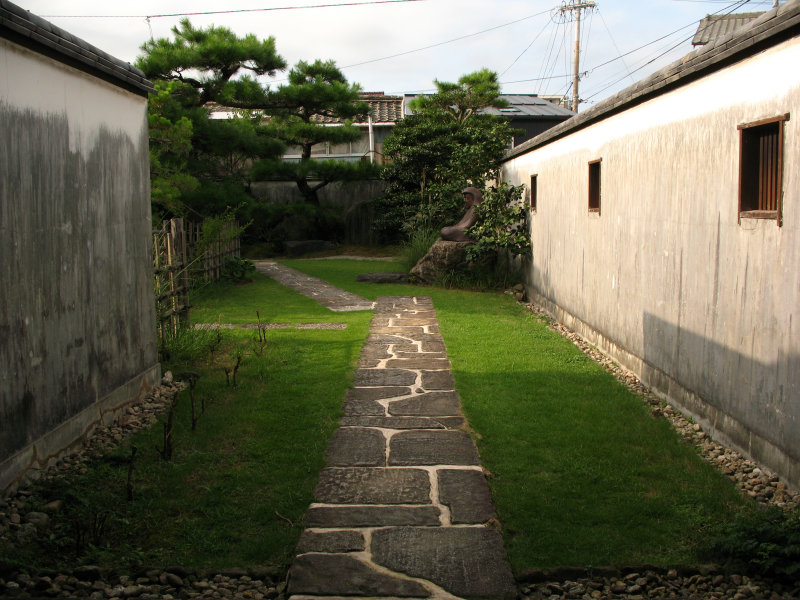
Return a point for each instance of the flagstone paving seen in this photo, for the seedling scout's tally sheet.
(323, 292)
(402, 508)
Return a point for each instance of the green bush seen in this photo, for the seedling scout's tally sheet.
(419, 241)
(237, 269)
(764, 542)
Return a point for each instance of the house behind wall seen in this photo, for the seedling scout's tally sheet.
(639, 243)
(77, 316)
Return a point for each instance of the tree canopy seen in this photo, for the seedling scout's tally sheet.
(447, 144)
(301, 113)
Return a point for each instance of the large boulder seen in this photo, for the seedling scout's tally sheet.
(443, 256)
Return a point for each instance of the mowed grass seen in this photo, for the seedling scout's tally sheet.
(581, 473)
(235, 492)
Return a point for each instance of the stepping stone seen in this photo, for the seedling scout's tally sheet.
(373, 486)
(429, 404)
(356, 447)
(402, 467)
(467, 495)
(403, 422)
(331, 542)
(438, 380)
(383, 377)
(468, 562)
(372, 516)
(445, 447)
(342, 575)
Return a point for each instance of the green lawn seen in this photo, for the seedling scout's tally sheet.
(582, 474)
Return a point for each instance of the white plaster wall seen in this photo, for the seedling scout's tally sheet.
(665, 273)
(77, 317)
(34, 82)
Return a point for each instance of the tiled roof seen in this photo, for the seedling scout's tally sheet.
(519, 106)
(713, 27)
(26, 29)
(769, 29)
(384, 109)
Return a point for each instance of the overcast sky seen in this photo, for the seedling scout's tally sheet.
(401, 46)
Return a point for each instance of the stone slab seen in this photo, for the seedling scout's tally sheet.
(420, 354)
(331, 541)
(383, 377)
(432, 364)
(373, 486)
(363, 407)
(392, 422)
(467, 495)
(377, 393)
(342, 575)
(368, 363)
(428, 404)
(372, 516)
(398, 330)
(356, 447)
(468, 562)
(432, 447)
(375, 351)
(438, 380)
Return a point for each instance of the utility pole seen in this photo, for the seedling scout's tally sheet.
(576, 6)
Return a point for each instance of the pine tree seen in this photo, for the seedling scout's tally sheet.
(317, 106)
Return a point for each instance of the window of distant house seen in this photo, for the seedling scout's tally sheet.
(761, 169)
(594, 186)
(533, 193)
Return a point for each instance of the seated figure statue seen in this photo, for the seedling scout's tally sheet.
(458, 232)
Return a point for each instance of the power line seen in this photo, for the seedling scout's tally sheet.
(228, 12)
(730, 8)
(526, 49)
(463, 37)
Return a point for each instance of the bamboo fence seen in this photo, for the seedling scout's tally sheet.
(178, 263)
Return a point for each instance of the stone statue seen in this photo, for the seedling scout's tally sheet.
(458, 232)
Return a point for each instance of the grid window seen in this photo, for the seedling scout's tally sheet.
(594, 186)
(761, 169)
(533, 193)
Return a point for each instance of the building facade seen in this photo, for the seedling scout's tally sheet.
(666, 229)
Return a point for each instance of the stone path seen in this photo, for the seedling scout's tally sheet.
(321, 291)
(402, 508)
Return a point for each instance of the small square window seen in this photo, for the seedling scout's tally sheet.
(761, 169)
(594, 186)
(533, 193)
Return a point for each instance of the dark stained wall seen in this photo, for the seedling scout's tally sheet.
(77, 318)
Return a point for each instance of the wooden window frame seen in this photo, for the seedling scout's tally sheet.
(595, 185)
(534, 193)
(751, 171)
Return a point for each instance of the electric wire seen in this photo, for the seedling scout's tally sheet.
(228, 12)
(730, 10)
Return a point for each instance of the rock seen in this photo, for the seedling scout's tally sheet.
(87, 573)
(39, 519)
(167, 378)
(390, 277)
(53, 506)
(441, 257)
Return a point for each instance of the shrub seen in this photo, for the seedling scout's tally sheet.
(764, 542)
(237, 270)
(417, 246)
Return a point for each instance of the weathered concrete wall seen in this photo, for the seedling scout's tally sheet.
(345, 194)
(664, 278)
(77, 316)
